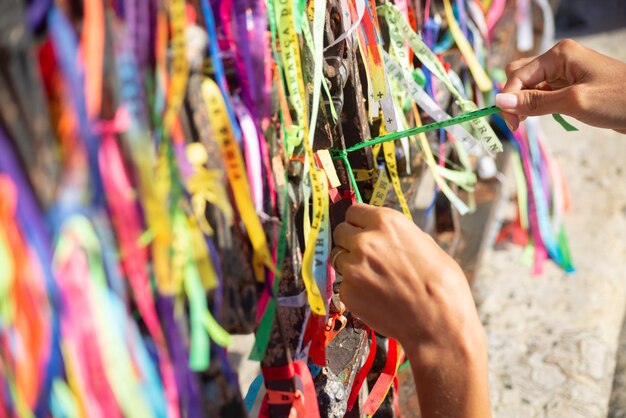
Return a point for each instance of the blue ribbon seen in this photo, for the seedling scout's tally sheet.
(218, 66)
(66, 48)
(253, 392)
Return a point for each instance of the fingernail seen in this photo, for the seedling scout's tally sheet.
(509, 126)
(506, 100)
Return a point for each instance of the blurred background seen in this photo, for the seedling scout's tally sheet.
(557, 343)
(583, 17)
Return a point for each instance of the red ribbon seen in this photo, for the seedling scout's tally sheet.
(311, 408)
(278, 372)
(362, 375)
(314, 333)
(304, 402)
(385, 380)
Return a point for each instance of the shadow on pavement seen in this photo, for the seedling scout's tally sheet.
(585, 17)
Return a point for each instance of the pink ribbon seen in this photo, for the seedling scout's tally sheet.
(121, 199)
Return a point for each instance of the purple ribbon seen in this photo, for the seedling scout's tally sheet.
(185, 378)
(36, 13)
(38, 236)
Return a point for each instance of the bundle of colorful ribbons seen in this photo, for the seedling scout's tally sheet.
(170, 172)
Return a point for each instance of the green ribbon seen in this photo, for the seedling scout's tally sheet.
(357, 193)
(567, 263)
(6, 278)
(63, 402)
(565, 124)
(264, 328)
(394, 136)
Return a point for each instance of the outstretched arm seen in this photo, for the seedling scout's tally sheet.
(402, 284)
(568, 79)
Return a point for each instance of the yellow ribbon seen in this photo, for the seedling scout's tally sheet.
(389, 149)
(206, 186)
(381, 189)
(290, 54)
(320, 207)
(178, 81)
(235, 171)
(480, 76)
(200, 255)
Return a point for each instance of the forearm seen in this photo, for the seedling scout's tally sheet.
(452, 381)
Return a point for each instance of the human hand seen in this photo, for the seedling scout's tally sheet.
(398, 280)
(402, 284)
(568, 79)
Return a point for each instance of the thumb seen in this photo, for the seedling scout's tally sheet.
(532, 102)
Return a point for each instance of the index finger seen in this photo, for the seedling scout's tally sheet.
(362, 215)
(546, 67)
(519, 63)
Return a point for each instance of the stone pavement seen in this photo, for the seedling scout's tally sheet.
(553, 338)
(617, 404)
